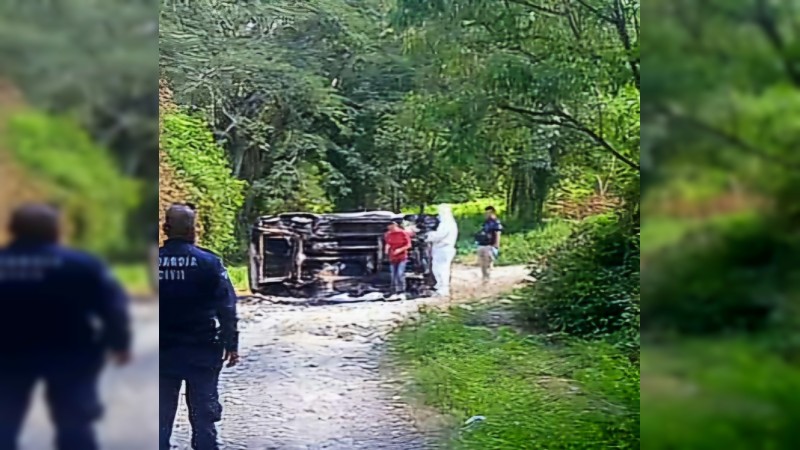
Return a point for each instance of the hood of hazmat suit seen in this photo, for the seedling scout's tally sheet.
(446, 233)
(443, 249)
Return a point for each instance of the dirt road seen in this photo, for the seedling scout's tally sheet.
(310, 375)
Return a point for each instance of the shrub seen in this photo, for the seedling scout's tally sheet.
(728, 276)
(522, 248)
(79, 175)
(190, 149)
(589, 286)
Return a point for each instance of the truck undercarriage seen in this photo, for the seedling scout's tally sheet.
(323, 255)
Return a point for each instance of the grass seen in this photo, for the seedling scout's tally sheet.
(133, 277)
(239, 278)
(533, 395)
(727, 393)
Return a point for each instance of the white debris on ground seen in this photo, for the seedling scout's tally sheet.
(344, 297)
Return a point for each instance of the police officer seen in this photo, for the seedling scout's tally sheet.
(195, 293)
(53, 300)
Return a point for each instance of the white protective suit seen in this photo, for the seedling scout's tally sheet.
(443, 249)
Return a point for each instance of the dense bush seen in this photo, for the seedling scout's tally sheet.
(728, 276)
(190, 149)
(589, 285)
(79, 175)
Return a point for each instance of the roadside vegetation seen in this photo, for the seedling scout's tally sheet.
(532, 391)
(135, 278)
(719, 272)
(720, 334)
(558, 365)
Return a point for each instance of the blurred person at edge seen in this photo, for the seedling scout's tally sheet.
(53, 297)
(194, 293)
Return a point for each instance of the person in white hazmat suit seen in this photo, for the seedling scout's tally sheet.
(443, 249)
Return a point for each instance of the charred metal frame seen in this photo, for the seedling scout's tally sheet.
(310, 255)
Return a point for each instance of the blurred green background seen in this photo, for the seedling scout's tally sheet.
(78, 122)
(720, 236)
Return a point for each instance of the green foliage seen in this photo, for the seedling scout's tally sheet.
(660, 233)
(219, 196)
(93, 62)
(95, 196)
(134, 278)
(531, 94)
(298, 124)
(728, 276)
(589, 286)
(534, 396)
(720, 113)
(722, 100)
(363, 107)
(239, 278)
(709, 394)
(527, 246)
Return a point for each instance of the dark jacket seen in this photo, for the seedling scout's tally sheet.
(488, 233)
(53, 298)
(194, 293)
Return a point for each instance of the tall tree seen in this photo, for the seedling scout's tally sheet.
(567, 71)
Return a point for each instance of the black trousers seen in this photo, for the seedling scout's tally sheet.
(71, 383)
(198, 367)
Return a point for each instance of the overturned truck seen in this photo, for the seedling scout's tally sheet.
(325, 255)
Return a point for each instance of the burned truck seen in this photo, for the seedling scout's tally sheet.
(342, 254)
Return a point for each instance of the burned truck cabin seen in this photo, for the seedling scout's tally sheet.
(315, 255)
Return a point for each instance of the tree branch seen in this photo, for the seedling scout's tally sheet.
(573, 24)
(765, 19)
(532, 57)
(723, 136)
(546, 118)
(596, 11)
(537, 8)
(621, 24)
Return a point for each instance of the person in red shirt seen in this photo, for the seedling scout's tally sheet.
(397, 243)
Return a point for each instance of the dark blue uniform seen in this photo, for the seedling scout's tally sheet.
(491, 227)
(194, 294)
(62, 311)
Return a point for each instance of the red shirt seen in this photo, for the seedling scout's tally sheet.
(394, 240)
